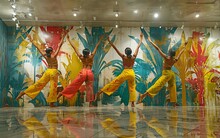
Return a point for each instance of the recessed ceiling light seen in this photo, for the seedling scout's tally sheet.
(29, 14)
(160, 26)
(74, 14)
(116, 14)
(197, 16)
(135, 11)
(13, 6)
(13, 13)
(17, 25)
(156, 15)
(116, 26)
(14, 18)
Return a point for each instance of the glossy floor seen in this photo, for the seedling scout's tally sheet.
(110, 122)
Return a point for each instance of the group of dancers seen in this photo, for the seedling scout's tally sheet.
(86, 74)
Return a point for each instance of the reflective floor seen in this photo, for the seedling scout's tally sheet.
(110, 122)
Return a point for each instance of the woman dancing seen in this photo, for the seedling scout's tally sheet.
(50, 75)
(127, 74)
(167, 76)
(85, 75)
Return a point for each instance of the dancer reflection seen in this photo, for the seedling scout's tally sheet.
(127, 74)
(123, 126)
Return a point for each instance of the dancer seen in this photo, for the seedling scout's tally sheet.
(85, 75)
(50, 75)
(167, 76)
(127, 74)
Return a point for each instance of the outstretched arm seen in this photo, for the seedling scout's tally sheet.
(96, 47)
(119, 53)
(59, 45)
(158, 49)
(137, 49)
(36, 44)
(77, 53)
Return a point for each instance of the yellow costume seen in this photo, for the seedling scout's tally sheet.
(127, 74)
(167, 76)
(49, 75)
(120, 130)
(36, 127)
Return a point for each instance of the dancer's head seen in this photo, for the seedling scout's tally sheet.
(49, 51)
(128, 52)
(86, 52)
(172, 53)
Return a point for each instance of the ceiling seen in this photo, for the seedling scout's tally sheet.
(102, 12)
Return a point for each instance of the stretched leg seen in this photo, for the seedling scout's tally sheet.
(114, 84)
(89, 87)
(72, 89)
(131, 86)
(158, 85)
(52, 97)
(33, 90)
(20, 95)
(172, 89)
(142, 96)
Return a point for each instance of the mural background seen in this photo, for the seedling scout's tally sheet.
(3, 62)
(197, 72)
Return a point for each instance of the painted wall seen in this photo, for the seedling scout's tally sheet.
(3, 63)
(197, 72)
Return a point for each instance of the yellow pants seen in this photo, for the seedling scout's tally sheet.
(41, 131)
(167, 76)
(127, 74)
(120, 131)
(49, 75)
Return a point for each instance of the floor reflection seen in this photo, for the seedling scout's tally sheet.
(82, 122)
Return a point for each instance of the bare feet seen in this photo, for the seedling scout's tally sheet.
(59, 95)
(20, 95)
(140, 99)
(142, 96)
(97, 95)
(132, 104)
(175, 104)
(52, 105)
(90, 104)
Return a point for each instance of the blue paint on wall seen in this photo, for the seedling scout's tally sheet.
(3, 62)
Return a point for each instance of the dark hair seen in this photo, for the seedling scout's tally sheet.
(128, 52)
(48, 51)
(86, 52)
(172, 53)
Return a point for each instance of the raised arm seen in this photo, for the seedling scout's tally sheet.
(96, 47)
(137, 49)
(77, 53)
(158, 49)
(59, 45)
(36, 44)
(119, 53)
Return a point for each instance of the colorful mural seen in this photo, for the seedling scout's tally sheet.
(3, 63)
(195, 71)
